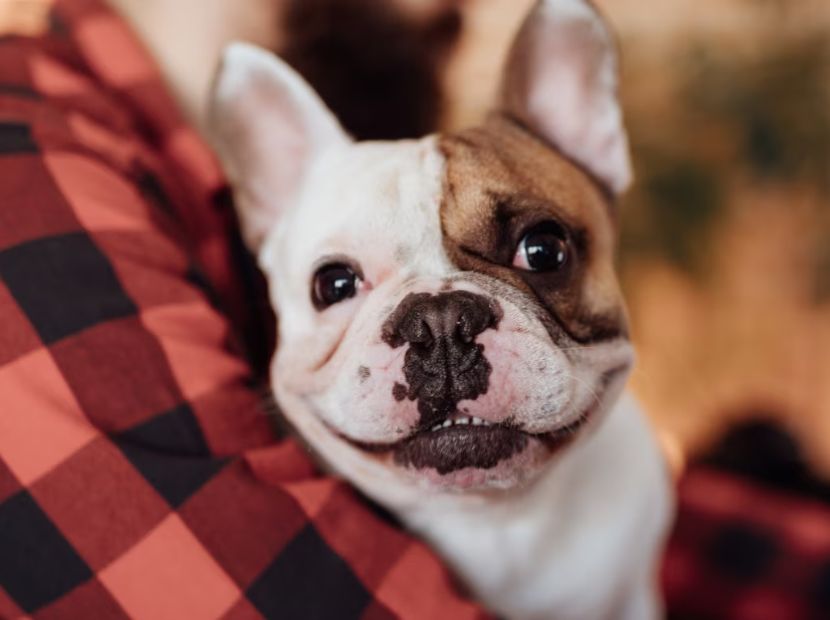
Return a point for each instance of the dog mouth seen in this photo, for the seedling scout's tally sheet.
(471, 442)
(462, 442)
(468, 442)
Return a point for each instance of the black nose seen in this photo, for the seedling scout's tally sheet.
(443, 364)
(423, 319)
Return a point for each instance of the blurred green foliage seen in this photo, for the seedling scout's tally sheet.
(775, 106)
(761, 115)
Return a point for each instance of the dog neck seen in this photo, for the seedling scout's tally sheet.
(599, 491)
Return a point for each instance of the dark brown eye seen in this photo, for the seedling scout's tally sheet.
(544, 248)
(334, 283)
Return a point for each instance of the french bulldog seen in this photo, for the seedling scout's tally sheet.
(452, 337)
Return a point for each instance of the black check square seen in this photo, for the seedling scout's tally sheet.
(20, 90)
(175, 477)
(309, 580)
(174, 432)
(64, 284)
(821, 588)
(38, 565)
(16, 138)
(742, 552)
(171, 453)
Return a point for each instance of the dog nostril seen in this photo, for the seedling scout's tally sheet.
(464, 329)
(461, 332)
(423, 319)
(422, 335)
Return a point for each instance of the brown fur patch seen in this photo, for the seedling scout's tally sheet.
(500, 180)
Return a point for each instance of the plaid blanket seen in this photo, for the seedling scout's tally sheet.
(139, 476)
(742, 550)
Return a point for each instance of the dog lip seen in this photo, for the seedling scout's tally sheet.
(458, 447)
(553, 439)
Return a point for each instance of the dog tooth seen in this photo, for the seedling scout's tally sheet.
(447, 424)
(463, 421)
(477, 421)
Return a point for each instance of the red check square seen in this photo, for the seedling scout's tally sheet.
(40, 209)
(91, 596)
(100, 502)
(42, 423)
(234, 496)
(7, 607)
(118, 373)
(101, 199)
(195, 343)
(118, 59)
(398, 594)
(344, 529)
(169, 576)
(17, 336)
(9, 485)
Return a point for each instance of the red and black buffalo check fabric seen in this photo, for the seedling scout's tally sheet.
(743, 550)
(139, 476)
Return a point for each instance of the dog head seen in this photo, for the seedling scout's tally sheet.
(449, 314)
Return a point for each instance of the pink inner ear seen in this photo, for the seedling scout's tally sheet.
(562, 81)
(264, 153)
(269, 125)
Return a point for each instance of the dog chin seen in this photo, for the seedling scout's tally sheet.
(509, 473)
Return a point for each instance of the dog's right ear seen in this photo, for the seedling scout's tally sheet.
(267, 126)
(561, 82)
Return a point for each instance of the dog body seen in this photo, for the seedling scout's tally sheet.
(451, 334)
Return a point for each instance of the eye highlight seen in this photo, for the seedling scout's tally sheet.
(544, 248)
(333, 283)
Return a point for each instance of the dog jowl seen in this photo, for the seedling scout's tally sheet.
(449, 315)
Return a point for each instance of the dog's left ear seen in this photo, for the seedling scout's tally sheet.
(561, 82)
(268, 126)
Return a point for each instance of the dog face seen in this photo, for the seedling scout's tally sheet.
(449, 315)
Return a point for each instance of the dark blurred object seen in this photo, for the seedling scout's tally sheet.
(767, 454)
(374, 65)
(752, 538)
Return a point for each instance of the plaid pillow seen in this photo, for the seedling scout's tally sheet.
(139, 476)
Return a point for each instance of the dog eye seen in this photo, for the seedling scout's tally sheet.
(544, 248)
(334, 283)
